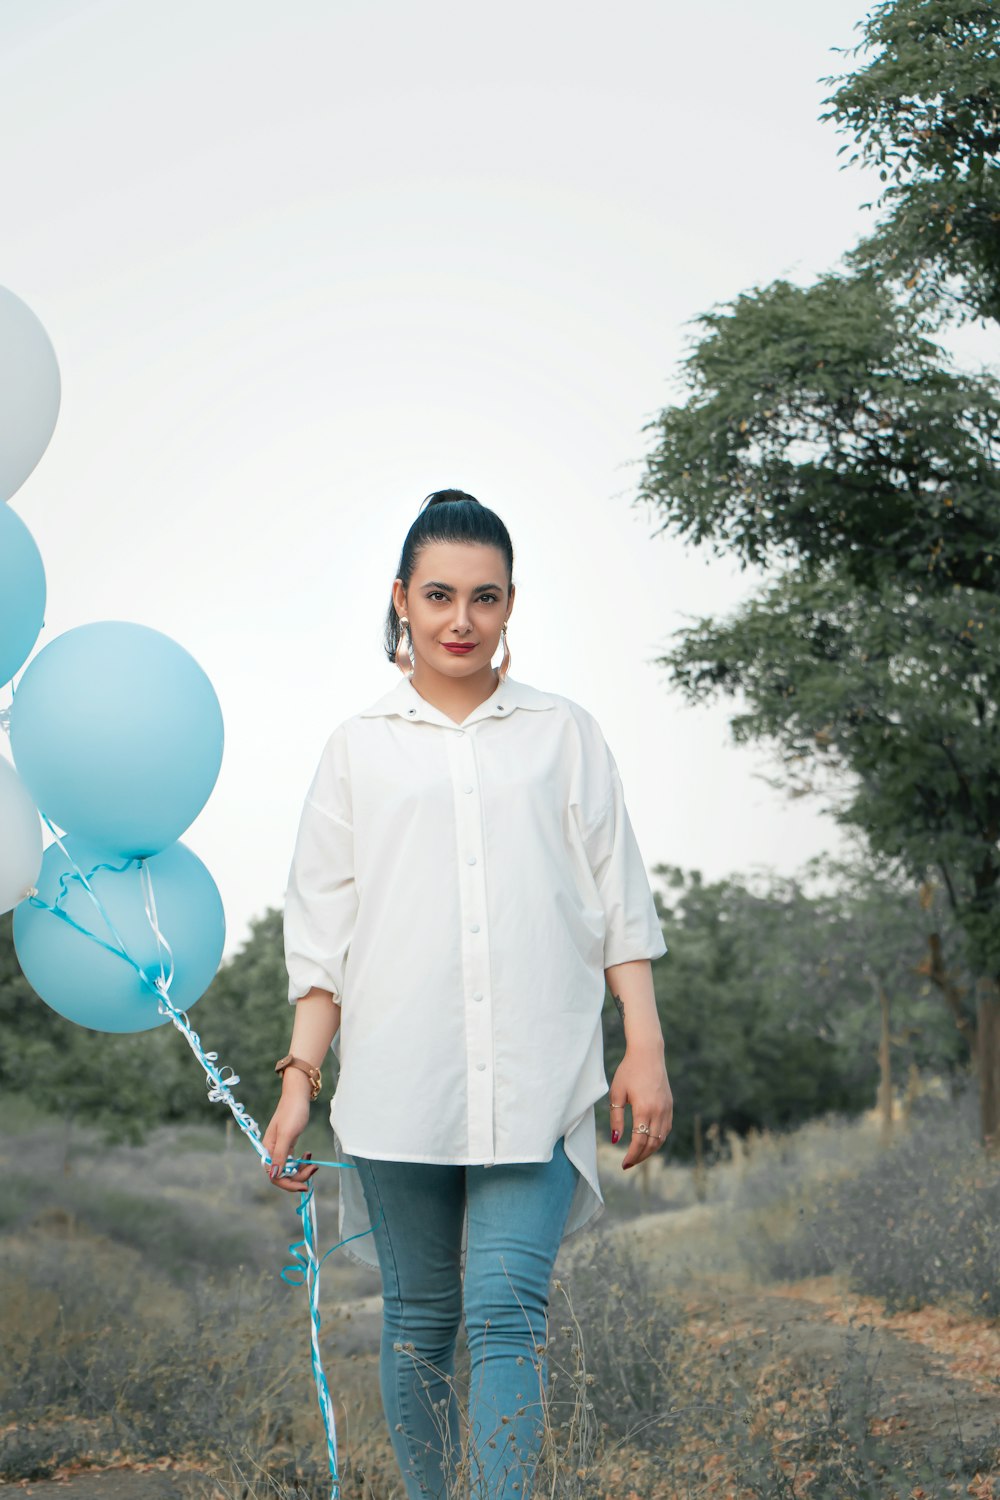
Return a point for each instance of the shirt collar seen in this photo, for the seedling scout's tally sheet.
(404, 700)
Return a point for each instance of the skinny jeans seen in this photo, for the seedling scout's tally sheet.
(516, 1215)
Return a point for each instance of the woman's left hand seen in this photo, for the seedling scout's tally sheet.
(641, 1084)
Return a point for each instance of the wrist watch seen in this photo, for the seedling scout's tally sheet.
(315, 1077)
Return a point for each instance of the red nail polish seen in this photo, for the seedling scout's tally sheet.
(616, 1136)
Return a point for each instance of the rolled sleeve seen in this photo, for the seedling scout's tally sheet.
(321, 899)
(632, 928)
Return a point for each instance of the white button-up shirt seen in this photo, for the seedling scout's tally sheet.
(461, 888)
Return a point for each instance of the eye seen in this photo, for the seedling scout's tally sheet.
(435, 594)
(488, 598)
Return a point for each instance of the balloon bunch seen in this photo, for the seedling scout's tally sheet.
(116, 734)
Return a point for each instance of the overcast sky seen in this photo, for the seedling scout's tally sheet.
(303, 263)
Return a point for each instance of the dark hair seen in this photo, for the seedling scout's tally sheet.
(446, 516)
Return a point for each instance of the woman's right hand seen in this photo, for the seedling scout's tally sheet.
(287, 1123)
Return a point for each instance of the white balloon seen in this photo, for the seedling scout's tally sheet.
(20, 838)
(29, 392)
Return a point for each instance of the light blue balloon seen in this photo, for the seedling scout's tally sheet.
(117, 733)
(97, 989)
(22, 593)
(29, 392)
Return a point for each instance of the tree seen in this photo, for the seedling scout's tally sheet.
(924, 110)
(781, 972)
(826, 435)
(119, 1083)
(243, 1016)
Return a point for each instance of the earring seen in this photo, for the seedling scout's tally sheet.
(404, 651)
(504, 666)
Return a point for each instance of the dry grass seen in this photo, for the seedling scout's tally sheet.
(144, 1322)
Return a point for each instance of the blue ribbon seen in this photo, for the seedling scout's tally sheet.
(221, 1079)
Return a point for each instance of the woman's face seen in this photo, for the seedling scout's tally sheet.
(458, 595)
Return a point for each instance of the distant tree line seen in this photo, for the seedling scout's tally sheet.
(765, 995)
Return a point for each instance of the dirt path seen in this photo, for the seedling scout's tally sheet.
(921, 1400)
(113, 1484)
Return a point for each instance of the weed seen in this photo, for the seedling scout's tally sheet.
(917, 1224)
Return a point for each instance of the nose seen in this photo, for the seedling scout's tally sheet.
(460, 621)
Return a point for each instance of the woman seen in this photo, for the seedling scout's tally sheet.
(465, 881)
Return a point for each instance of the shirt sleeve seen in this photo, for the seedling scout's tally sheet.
(632, 925)
(321, 900)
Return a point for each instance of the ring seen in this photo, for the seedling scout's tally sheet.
(640, 1129)
(616, 1106)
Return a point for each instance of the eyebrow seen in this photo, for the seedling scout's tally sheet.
(450, 587)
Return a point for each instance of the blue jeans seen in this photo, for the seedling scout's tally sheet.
(516, 1216)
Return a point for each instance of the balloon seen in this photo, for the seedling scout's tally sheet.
(20, 838)
(97, 989)
(29, 392)
(117, 733)
(22, 593)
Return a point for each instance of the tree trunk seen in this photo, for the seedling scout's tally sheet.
(988, 1048)
(884, 1052)
(700, 1185)
(938, 974)
(885, 1066)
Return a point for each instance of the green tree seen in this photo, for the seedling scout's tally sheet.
(780, 971)
(244, 1017)
(126, 1084)
(120, 1083)
(827, 436)
(924, 110)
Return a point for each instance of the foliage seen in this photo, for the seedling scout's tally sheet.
(823, 425)
(915, 1226)
(925, 113)
(825, 432)
(65, 1068)
(781, 970)
(246, 1018)
(783, 973)
(195, 1374)
(886, 703)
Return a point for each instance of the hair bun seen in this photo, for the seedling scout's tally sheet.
(448, 497)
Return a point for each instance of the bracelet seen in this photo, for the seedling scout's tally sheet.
(315, 1077)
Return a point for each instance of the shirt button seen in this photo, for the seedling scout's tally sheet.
(411, 710)
(467, 788)
(480, 1067)
(474, 927)
(499, 708)
(470, 859)
(461, 731)
(478, 995)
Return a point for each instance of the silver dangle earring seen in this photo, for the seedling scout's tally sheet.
(404, 651)
(504, 666)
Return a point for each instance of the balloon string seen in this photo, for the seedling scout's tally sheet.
(221, 1080)
(162, 946)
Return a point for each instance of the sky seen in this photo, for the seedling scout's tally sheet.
(304, 263)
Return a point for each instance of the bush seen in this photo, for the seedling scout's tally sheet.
(916, 1225)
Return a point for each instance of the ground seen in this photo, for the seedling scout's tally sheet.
(933, 1368)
